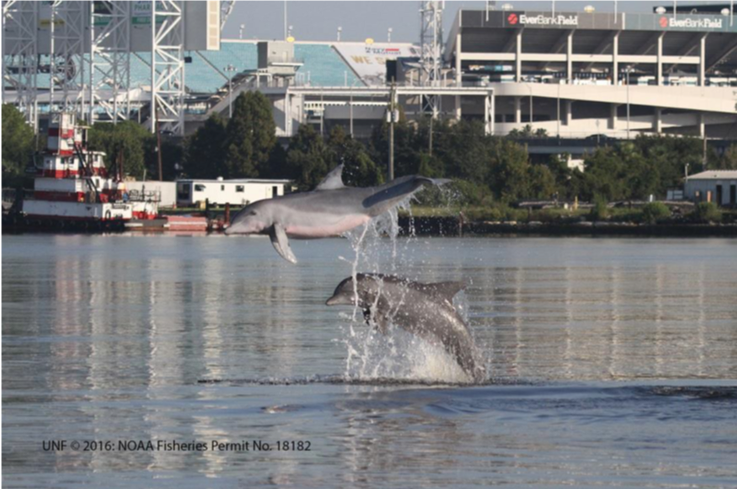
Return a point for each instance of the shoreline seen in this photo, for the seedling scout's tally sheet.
(453, 226)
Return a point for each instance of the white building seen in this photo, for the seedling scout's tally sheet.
(234, 192)
(718, 186)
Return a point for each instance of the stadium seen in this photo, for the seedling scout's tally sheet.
(572, 75)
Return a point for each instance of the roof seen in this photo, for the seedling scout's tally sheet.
(234, 180)
(715, 175)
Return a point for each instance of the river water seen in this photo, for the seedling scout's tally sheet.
(612, 363)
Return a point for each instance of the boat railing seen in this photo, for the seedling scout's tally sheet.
(135, 195)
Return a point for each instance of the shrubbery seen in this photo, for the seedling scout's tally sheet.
(654, 212)
(706, 212)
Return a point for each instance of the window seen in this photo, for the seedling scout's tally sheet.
(199, 188)
(240, 188)
(222, 187)
(274, 191)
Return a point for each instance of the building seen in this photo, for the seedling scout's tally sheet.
(718, 186)
(577, 74)
(234, 192)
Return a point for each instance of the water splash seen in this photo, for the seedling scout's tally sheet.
(379, 247)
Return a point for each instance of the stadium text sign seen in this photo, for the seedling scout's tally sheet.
(542, 19)
(691, 23)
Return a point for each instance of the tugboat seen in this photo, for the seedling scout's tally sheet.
(74, 190)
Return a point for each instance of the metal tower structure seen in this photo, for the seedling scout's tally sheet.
(109, 72)
(67, 60)
(20, 65)
(167, 66)
(431, 52)
(226, 8)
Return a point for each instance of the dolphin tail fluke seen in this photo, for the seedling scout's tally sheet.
(281, 243)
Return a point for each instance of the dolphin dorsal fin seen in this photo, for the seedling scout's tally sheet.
(442, 290)
(333, 180)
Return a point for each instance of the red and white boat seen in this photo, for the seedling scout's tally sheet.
(74, 186)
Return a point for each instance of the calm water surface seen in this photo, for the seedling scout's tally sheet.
(613, 363)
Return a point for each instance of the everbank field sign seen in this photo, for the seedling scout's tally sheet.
(542, 19)
(691, 23)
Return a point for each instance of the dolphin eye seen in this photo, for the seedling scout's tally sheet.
(252, 213)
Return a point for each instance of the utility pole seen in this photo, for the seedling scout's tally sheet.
(392, 117)
(430, 138)
(158, 150)
(230, 69)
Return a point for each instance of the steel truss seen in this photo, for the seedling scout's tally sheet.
(226, 8)
(67, 60)
(167, 67)
(431, 39)
(20, 66)
(109, 72)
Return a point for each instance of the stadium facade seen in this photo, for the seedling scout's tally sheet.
(580, 73)
(571, 74)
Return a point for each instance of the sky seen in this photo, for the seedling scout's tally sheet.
(319, 20)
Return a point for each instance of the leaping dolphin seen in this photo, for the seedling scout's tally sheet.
(425, 310)
(329, 210)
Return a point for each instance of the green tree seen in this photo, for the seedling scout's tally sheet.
(542, 182)
(125, 143)
(308, 158)
(359, 170)
(251, 136)
(728, 161)
(509, 174)
(205, 150)
(17, 143)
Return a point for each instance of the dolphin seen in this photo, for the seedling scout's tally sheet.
(425, 310)
(329, 210)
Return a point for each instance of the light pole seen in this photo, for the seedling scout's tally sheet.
(230, 69)
(285, 20)
(340, 29)
(389, 35)
(616, 11)
(629, 69)
(289, 32)
(240, 31)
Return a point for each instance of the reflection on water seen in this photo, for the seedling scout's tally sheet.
(109, 337)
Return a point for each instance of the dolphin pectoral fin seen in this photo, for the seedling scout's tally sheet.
(281, 243)
(379, 321)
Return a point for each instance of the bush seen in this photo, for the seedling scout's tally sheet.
(654, 212)
(599, 212)
(707, 212)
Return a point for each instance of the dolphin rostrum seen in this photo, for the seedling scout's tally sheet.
(425, 310)
(329, 210)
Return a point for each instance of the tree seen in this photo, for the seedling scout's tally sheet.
(542, 182)
(728, 161)
(308, 158)
(205, 151)
(17, 143)
(251, 136)
(127, 143)
(359, 170)
(508, 177)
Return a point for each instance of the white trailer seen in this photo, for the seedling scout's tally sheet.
(234, 192)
